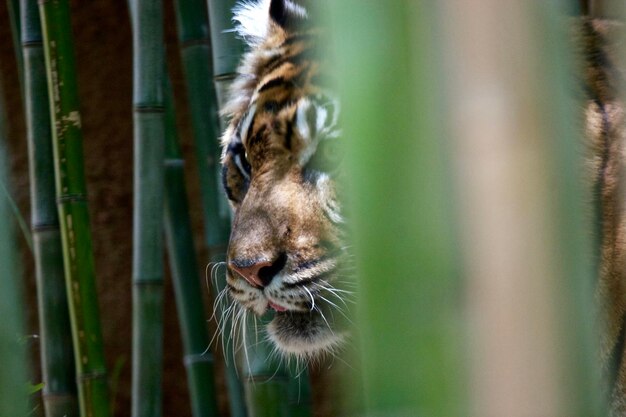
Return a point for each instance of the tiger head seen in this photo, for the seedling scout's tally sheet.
(279, 159)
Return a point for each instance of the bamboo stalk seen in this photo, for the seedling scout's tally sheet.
(57, 358)
(409, 316)
(73, 209)
(149, 142)
(15, 23)
(530, 279)
(13, 378)
(193, 35)
(13, 7)
(227, 49)
(191, 314)
(272, 388)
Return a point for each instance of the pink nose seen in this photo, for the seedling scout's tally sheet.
(251, 273)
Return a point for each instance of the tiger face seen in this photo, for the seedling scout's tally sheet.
(279, 159)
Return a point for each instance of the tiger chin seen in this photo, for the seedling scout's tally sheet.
(279, 162)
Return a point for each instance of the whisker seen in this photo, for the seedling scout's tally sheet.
(338, 309)
(312, 299)
(326, 321)
(245, 344)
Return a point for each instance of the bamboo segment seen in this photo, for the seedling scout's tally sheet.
(13, 7)
(192, 23)
(530, 279)
(57, 357)
(409, 312)
(149, 139)
(73, 210)
(227, 48)
(197, 62)
(13, 378)
(272, 389)
(198, 359)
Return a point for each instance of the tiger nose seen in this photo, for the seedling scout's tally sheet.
(259, 274)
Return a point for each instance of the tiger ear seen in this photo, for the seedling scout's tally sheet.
(287, 14)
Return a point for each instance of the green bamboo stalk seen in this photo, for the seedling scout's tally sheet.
(273, 389)
(149, 142)
(15, 23)
(13, 7)
(193, 35)
(191, 313)
(409, 317)
(226, 47)
(73, 208)
(57, 358)
(13, 378)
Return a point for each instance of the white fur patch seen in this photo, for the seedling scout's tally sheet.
(252, 20)
(321, 341)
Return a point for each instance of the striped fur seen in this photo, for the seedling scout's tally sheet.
(278, 161)
(599, 44)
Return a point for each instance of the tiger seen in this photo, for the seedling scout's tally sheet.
(598, 47)
(280, 162)
(279, 167)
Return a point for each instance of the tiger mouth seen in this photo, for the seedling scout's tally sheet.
(306, 322)
(277, 307)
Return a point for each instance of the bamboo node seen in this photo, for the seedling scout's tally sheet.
(174, 162)
(192, 359)
(195, 42)
(68, 198)
(90, 376)
(148, 109)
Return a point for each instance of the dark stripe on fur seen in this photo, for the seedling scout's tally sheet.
(275, 82)
(608, 78)
(288, 135)
(234, 290)
(257, 136)
(307, 281)
(303, 36)
(293, 59)
(229, 192)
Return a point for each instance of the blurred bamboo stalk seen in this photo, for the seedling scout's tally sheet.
(226, 48)
(530, 280)
(73, 209)
(272, 388)
(15, 23)
(149, 145)
(57, 357)
(409, 310)
(191, 313)
(13, 378)
(193, 35)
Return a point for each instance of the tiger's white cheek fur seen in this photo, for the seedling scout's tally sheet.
(304, 335)
(325, 189)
